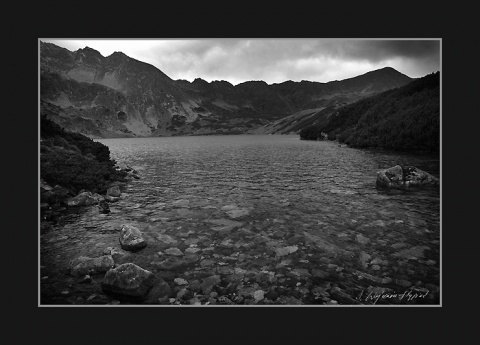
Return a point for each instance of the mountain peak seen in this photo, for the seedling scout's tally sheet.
(387, 71)
(118, 56)
(199, 81)
(118, 53)
(89, 50)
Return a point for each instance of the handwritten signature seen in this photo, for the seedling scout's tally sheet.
(408, 295)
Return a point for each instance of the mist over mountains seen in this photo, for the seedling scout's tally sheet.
(118, 96)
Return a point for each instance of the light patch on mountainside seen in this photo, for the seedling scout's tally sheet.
(82, 73)
(222, 104)
(151, 116)
(190, 115)
(285, 124)
(110, 80)
(62, 101)
(137, 127)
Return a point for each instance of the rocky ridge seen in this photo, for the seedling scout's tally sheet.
(117, 96)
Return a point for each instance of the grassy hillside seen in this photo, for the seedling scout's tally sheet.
(74, 161)
(406, 118)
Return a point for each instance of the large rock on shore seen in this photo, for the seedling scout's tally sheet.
(84, 265)
(114, 191)
(55, 195)
(129, 280)
(131, 238)
(403, 177)
(83, 199)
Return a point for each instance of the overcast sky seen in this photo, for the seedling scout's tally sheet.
(272, 60)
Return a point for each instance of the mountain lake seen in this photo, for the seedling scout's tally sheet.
(257, 220)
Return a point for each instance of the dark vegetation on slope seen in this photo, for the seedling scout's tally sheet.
(405, 118)
(75, 161)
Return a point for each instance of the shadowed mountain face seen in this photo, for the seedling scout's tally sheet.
(117, 96)
(406, 118)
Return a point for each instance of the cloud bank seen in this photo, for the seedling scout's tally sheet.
(272, 60)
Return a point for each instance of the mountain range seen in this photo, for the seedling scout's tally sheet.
(118, 96)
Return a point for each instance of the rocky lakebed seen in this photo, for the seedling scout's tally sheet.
(191, 251)
(242, 221)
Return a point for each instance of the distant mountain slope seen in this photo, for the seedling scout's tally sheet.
(117, 96)
(406, 118)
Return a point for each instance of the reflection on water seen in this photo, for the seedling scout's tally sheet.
(280, 192)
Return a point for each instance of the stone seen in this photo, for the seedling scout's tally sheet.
(181, 203)
(362, 239)
(229, 207)
(286, 250)
(316, 273)
(364, 257)
(237, 213)
(402, 282)
(195, 301)
(403, 177)
(180, 281)
(171, 263)
(207, 262)
(120, 256)
(131, 238)
(104, 207)
(82, 199)
(321, 242)
(87, 279)
(173, 251)
(189, 258)
(208, 283)
(167, 239)
(44, 185)
(195, 286)
(416, 177)
(98, 197)
(225, 224)
(114, 191)
(84, 265)
(289, 300)
(391, 177)
(60, 194)
(129, 280)
(160, 291)
(301, 272)
(413, 253)
(259, 295)
(192, 250)
(224, 300)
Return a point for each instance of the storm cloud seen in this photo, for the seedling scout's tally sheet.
(273, 60)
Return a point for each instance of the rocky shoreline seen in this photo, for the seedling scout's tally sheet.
(55, 200)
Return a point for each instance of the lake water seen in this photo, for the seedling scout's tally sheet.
(278, 220)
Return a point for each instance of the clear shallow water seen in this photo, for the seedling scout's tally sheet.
(301, 221)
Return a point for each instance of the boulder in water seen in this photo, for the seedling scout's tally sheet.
(114, 191)
(129, 280)
(83, 265)
(103, 206)
(131, 238)
(82, 199)
(403, 177)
